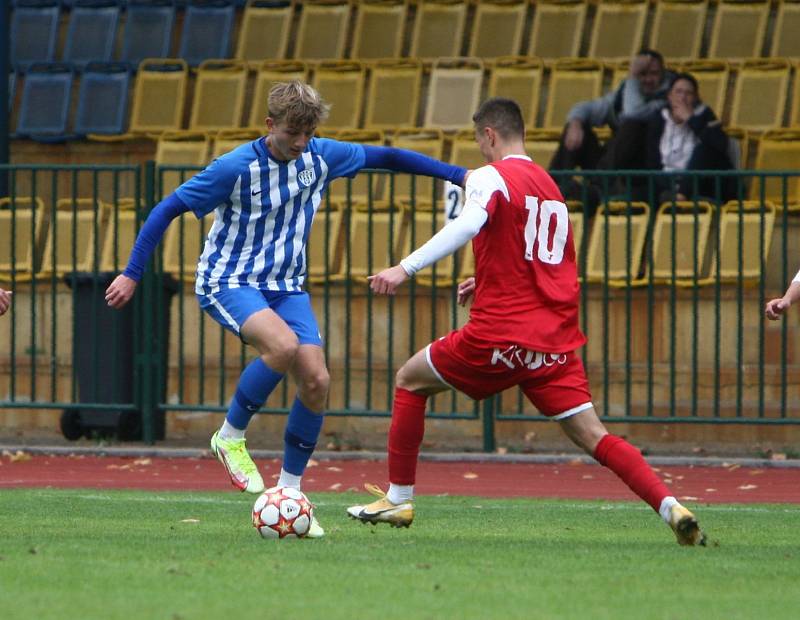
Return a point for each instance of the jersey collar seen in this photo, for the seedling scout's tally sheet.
(525, 157)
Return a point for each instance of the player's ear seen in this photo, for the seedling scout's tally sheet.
(269, 123)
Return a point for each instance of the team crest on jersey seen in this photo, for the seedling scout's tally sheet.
(307, 177)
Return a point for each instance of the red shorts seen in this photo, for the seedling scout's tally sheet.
(555, 383)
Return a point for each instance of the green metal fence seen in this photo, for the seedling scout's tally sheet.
(672, 300)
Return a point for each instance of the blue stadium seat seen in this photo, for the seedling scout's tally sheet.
(207, 26)
(103, 99)
(34, 29)
(148, 30)
(92, 32)
(12, 85)
(44, 110)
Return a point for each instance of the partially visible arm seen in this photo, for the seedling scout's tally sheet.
(708, 128)
(402, 160)
(776, 307)
(596, 112)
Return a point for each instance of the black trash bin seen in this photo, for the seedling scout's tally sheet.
(103, 354)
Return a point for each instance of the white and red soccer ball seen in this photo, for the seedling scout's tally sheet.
(282, 512)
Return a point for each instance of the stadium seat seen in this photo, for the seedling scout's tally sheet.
(712, 78)
(183, 244)
(341, 84)
(46, 98)
(219, 93)
(759, 97)
(680, 242)
(393, 95)
(465, 152)
(325, 248)
(619, 230)
(120, 237)
(571, 80)
(26, 219)
(92, 32)
(520, 79)
(258, 18)
(34, 33)
(75, 236)
(739, 151)
(738, 29)
(103, 99)
(541, 145)
(184, 149)
(206, 32)
(577, 220)
(322, 31)
(379, 29)
(777, 150)
(785, 42)
(438, 29)
(422, 225)
(377, 240)
(229, 139)
(497, 28)
(148, 30)
(365, 188)
(678, 27)
(745, 236)
(794, 116)
(429, 142)
(618, 29)
(269, 73)
(557, 29)
(159, 96)
(454, 93)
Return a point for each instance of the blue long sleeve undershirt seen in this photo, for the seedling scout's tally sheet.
(401, 160)
(151, 233)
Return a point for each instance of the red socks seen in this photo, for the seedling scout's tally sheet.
(627, 462)
(405, 435)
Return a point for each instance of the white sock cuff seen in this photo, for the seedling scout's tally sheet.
(289, 480)
(666, 507)
(228, 431)
(400, 493)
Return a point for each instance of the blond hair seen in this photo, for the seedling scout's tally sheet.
(296, 103)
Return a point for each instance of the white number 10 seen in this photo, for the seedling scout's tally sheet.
(547, 253)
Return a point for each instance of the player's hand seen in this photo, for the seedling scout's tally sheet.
(5, 301)
(465, 291)
(776, 307)
(120, 291)
(574, 135)
(387, 281)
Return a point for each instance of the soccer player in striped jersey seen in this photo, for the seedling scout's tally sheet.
(522, 328)
(250, 276)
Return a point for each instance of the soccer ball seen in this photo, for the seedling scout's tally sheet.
(282, 512)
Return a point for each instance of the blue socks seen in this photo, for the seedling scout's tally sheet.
(255, 385)
(300, 438)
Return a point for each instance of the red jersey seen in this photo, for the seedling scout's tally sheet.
(526, 277)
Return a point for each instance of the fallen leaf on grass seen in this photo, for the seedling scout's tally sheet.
(335, 487)
(733, 467)
(756, 472)
(312, 463)
(688, 498)
(576, 461)
(190, 520)
(711, 490)
(334, 468)
(17, 457)
(143, 462)
(587, 477)
(470, 476)
(747, 487)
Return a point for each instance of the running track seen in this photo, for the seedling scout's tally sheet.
(570, 480)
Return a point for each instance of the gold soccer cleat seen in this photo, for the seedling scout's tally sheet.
(382, 510)
(685, 526)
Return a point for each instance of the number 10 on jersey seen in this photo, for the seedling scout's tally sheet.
(537, 228)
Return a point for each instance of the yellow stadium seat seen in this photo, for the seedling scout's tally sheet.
(227, 140)
(572, 80)
(269, 73)
(429, 142)
(541, 145)
(678, 27)
(23, 226)
(794, 118)
(738, 29)
(218, 95)
(777, 150)
(75, 236)
(325, 248)
(260, 17)
(742, 146)
(365, 188)
(497, 28)
(785, 42)
(557, 28)
(422, 226)
(687, 225)
(341, 84)
(322, 31)
(712, 80)
(377, 240)
(379, 29)
(619, 230)
(159, 96)
(393, 95)
(180, 148)
(518, 78)
(119, 239)
(465, 151)
(438, 29)
(183, 244)
(454, 93)
(618, 29)
(759, 97)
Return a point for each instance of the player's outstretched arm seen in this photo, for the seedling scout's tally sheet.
(387, 281)
(403, 160)
(123, 287)
(776, 307)
(5, 301)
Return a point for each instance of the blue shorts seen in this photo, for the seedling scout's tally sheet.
(231, 307)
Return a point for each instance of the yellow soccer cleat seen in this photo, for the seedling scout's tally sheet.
(233, 454)
(685, 526)
(382, 510)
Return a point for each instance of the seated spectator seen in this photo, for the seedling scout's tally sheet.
(5, 301)
(686, 135)
(625, 110)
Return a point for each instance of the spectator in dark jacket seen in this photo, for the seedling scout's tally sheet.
(686, 135)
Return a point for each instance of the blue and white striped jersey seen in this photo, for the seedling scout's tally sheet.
(263, 212)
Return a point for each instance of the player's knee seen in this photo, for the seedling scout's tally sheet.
(279, 351)
(314, 388)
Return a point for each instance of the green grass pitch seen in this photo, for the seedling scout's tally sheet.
(179, 556)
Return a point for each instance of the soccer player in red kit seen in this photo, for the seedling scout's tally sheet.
(522, 328)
